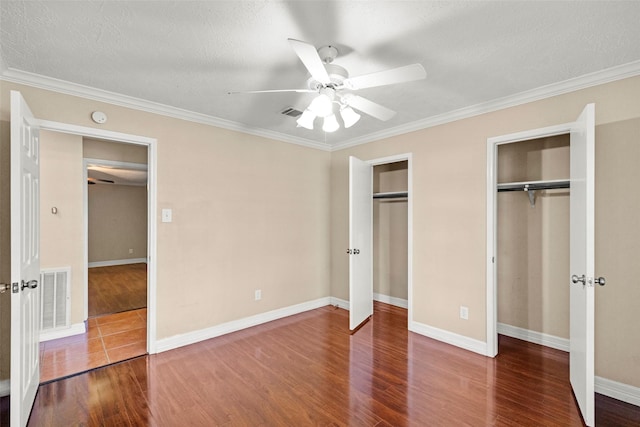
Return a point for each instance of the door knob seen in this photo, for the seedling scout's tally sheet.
(600, 281)
(4, 287)
(576, 279)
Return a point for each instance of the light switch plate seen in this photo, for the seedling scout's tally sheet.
(167, 215)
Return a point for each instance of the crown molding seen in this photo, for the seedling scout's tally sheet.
(69, 88)
(620, 72)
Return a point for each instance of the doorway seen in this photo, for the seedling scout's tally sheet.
(115, 213)
(390, 233)
(581, 246)
(109, 337)
(361, 231)
(533, 241)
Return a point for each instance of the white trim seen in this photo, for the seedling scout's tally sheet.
(74, 329)
(387, 299)
(94, 132)
(151, 144)
(69, 88)
(452, 338)
(609, 75)
(116, 262)
(339, 302)
(535, 337)
(492, 217)
(152, 250)
(612, 74)
(193, 337)
(5, 388)
(625, 392)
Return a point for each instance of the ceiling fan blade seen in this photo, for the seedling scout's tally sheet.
(310, 58)
(395, 75)
(272, 91)
(369, 107)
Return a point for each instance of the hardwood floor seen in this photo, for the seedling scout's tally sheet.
(117, 288)
(308, 370)
(109, 339)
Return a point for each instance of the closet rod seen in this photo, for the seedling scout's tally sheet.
(530, 186)
(391, 195)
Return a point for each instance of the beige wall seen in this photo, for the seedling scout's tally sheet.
(533, 242)
(62, 234)
(390, 232)
(253, 213)
(449, 211)
(618, 249)
(117, 222)
(5, 247)
(248, 213)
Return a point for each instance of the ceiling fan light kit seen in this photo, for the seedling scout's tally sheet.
(332, 81)
(330, 123)
(306, 119)
(349, 116)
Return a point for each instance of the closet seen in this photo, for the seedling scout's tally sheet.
(533, 239)
(390, 233)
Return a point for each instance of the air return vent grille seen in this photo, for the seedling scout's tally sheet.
(55, 290)
(291, 112)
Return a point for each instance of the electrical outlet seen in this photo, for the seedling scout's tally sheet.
(258, 295)
(464, 312)
(130, 251)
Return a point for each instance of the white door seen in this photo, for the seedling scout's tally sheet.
(25, 260)
(360, 250)
(582, 262)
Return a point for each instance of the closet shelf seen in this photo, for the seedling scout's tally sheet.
(531, 186)
(391, 195)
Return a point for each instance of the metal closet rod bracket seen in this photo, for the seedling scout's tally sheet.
(531, 187)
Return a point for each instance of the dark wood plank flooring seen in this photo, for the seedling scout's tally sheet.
(307, 370)
(117, 288)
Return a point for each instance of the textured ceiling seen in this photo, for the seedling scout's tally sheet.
(189, 54)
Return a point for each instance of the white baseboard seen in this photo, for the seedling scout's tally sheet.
(398, 302)
(75, 329)
(176, 341)
(341, 303)
(624, 392)
(5, 388)
(535, 337)
(448, 337)
(117, 262)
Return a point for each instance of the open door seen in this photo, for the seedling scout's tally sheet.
(25, 260)
(360, 245)
(582, 263)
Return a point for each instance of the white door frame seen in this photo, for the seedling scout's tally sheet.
(393, 159)
(151, 144)
(492, 216)
(86, 162)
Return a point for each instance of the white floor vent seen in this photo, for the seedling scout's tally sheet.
(55, 298)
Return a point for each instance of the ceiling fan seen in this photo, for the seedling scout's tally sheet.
(333, 85)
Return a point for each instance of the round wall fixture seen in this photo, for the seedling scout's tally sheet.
(99, 117)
